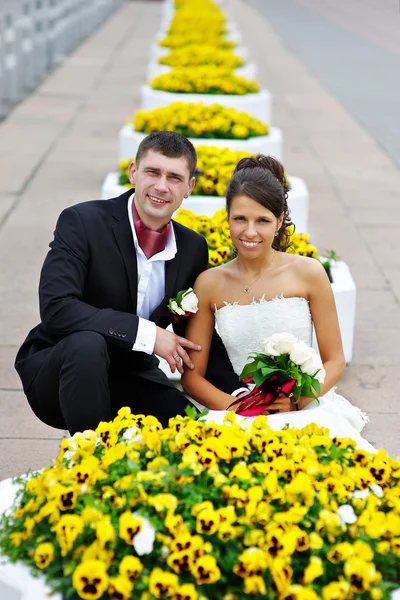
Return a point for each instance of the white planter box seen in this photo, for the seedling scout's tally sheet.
(248, 71)
(298, 200)
(270, 145)
(344, 291)
(156, 51)
(258, 105)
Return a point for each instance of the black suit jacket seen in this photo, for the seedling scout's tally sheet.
(89, 283)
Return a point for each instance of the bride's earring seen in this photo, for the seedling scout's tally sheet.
(276, 233)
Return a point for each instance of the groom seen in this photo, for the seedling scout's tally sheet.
(104, 289)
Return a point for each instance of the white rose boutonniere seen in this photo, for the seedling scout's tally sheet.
(185, 304)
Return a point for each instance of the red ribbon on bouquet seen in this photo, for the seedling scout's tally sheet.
(256, 401)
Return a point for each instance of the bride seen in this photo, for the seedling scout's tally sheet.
(265, 290)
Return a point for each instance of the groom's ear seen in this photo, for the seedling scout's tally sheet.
(192, 181)
(131, 172)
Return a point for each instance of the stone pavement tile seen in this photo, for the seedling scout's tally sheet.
(41, 107)
(27, 137)
(19, 455)
(9, 379)
(19, 421)
(341, 235)
(383, 432)
(363, 196)
(14, 174)
(378, 309)
(371, 388)
(393, 277)
(73, 79)
(384, 242)
(375, 216)
(6, 203)
(377, 348)
(370, 278)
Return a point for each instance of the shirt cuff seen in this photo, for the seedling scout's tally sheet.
(239, 391)
(145, 337)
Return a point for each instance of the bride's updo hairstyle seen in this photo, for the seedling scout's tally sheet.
(262, 178)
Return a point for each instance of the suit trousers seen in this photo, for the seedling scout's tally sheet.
(78, 386)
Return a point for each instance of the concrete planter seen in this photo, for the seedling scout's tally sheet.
(207, 205)
(272, 144)
(344, 291)
(258, 105)
(248, 71)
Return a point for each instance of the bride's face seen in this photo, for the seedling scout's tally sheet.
(252, 226)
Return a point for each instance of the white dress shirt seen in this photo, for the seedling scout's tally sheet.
(151, 286)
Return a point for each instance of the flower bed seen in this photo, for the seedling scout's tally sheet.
(248, 70)
(258, 105)
(156, 51)
(204, 80)
(271, 144)
(195, 56)
(197, 120)
(199, 510)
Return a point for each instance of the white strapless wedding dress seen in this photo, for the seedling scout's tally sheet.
(243, 327)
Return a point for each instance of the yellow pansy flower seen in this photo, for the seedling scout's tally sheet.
(90, 579)
(44, 555)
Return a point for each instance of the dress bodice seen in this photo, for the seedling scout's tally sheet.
(243, 326)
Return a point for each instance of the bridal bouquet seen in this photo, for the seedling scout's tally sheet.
(287, 366)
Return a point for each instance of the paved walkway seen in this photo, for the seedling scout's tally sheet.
(56, 147)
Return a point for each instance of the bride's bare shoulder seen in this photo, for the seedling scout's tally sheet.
(212, 279)
(310, 269)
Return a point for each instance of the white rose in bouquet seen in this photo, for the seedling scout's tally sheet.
(300, 353)
(278, 343)
(313, 364)
(175, 308)
(190, 302)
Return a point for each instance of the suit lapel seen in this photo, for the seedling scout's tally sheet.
(123, 235)
(171, 273)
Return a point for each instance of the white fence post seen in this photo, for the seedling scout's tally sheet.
(10, 62)
(40, 36)
(2, 106)
(36, 35)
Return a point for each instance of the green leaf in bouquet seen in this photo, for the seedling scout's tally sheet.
(316, 385)
(268, 370)
(248, 370)
(259, 378)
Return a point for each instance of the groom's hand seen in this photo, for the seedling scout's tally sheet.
(172, 347)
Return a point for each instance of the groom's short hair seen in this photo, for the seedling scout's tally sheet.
(171, 144)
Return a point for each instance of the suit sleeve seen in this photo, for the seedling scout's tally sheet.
(219, 369)
(61, 287)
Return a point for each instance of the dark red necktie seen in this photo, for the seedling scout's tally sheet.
(151, 242)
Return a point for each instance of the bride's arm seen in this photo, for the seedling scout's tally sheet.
(324, 316)
(200, 327)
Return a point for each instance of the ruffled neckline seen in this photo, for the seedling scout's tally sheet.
(261, 301)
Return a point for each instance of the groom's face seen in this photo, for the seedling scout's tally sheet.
(161, 184)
